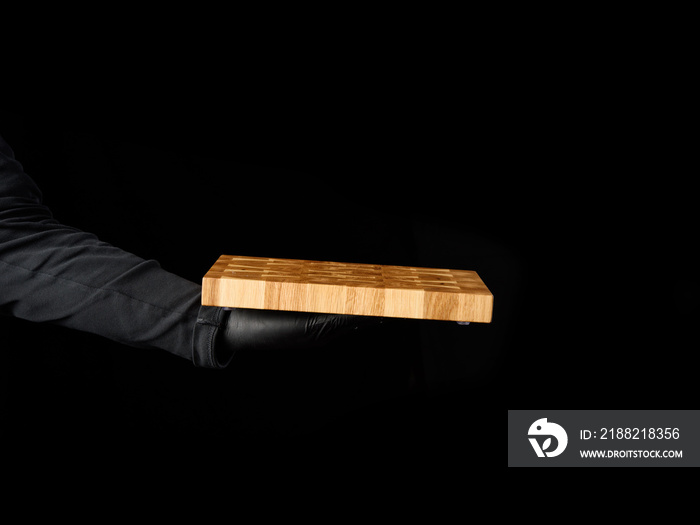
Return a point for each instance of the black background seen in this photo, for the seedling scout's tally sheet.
(518, 170)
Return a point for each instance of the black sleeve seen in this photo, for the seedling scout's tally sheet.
(53, 273)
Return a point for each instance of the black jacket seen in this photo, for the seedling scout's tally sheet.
(50, 272)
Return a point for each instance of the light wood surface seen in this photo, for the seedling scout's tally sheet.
(347, 288)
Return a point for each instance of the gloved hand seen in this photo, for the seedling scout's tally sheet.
(259, 330)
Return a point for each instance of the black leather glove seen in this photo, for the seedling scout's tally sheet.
(259, 330)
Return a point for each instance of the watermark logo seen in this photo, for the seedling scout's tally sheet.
(541, 428)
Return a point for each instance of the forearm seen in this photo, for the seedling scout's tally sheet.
(50, 272)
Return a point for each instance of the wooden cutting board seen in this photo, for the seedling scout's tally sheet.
(347, 288)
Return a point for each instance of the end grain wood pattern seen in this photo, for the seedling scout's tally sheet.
(347, 288)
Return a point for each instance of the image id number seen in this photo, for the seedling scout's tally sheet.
(639, 433)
